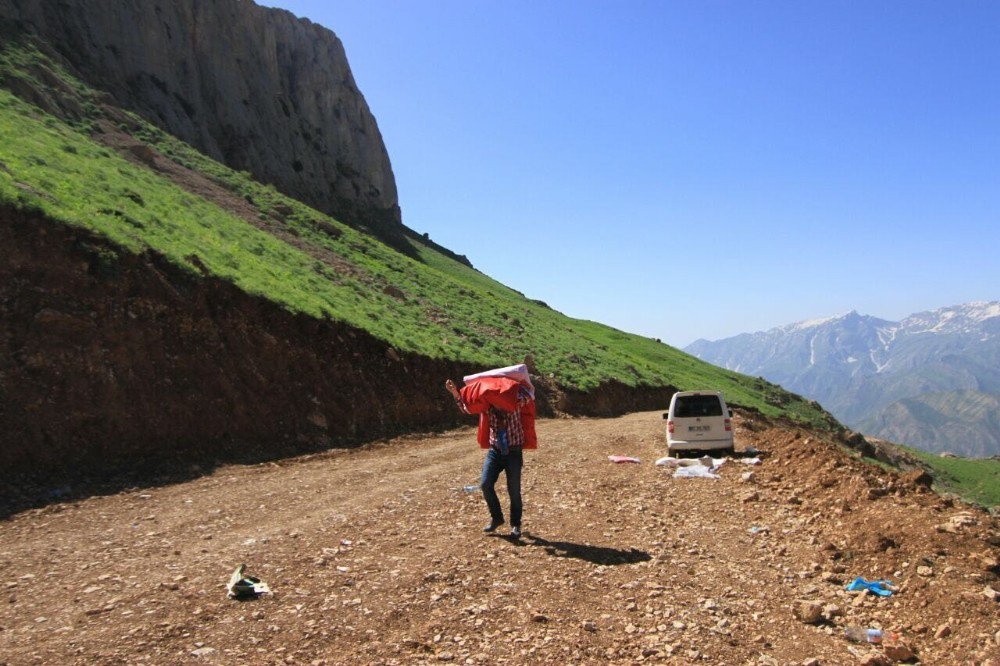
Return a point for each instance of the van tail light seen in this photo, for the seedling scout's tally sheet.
(729, 425)
(670, 427)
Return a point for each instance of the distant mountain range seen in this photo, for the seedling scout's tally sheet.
(931, 380)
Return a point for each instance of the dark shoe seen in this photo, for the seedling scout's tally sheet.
(492, 526)
(515, 532)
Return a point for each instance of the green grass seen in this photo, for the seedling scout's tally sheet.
(974, 479)
(432, 305)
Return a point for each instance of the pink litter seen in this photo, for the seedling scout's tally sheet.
(622, 459)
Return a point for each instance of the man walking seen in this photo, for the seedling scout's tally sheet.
(504, 401)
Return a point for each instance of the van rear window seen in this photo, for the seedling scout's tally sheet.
(688, 406)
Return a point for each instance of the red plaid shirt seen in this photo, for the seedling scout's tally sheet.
(510, 421)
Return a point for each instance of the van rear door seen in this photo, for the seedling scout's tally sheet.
(699, 417)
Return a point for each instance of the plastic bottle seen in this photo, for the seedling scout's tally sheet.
(862, 635)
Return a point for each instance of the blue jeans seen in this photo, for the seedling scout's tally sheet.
(510, 464)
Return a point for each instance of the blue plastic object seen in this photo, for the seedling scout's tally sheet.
(876, 586)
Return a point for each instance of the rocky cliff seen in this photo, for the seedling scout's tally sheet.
(256, 88)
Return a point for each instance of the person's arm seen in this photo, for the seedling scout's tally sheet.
(450, 386)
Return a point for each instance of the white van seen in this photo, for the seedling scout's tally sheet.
(698, 421)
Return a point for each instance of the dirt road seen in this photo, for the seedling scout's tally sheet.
(376, 556)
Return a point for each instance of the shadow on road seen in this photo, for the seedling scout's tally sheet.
(581, 551)
(26, 492)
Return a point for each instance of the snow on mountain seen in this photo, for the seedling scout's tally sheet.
(966, 318)
(855, 365)
(813, 323)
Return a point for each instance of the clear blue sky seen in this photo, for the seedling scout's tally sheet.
(694, 169)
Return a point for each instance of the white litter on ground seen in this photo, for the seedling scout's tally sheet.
(695, 471)
(703, 467)
(705, 461)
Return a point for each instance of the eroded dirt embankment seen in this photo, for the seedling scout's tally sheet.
(109, 358)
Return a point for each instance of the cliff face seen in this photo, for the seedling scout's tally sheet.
(255, 88)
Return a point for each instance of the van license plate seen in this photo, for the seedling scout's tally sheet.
(698, 428)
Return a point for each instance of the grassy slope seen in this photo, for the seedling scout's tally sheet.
(445, 309)
(974, 479)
